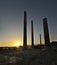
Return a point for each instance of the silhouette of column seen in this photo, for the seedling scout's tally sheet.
(25, 30)
(40, 39)
(46, 32)
(32, 34)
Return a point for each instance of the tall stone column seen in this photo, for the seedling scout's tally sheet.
(25, 30)
(32, 34)
(40, 40)
(46, 32)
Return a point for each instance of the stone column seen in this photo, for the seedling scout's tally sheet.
(25, 30)
(46, 32)
(32, 34)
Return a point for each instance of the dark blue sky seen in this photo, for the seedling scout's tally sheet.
(11, 19)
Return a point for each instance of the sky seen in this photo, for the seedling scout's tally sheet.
(12, 18)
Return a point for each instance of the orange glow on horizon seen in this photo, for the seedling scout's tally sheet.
(11, 43)
(17, 44)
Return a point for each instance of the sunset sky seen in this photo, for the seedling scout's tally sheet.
(12, 18)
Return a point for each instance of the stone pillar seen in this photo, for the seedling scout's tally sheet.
(32, 34)
(46, 32)
(40, 40)
(25, 30)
